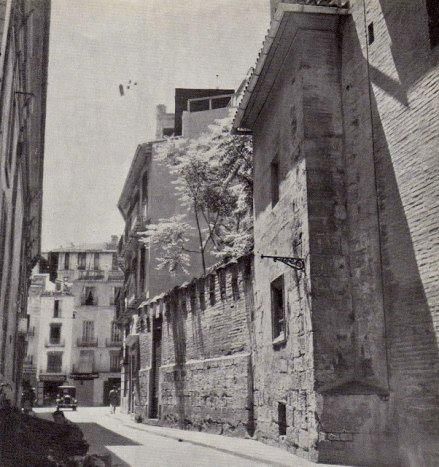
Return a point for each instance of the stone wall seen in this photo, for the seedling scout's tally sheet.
(358, 183)
(205, 372)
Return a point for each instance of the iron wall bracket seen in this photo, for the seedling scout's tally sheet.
(296, 263)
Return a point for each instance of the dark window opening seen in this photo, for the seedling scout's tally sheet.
(56, 309)
(277, 307)
(221, 102)
(168, 131)
(433, 21)
(212, 290)
(67, 261)
(202, 295)
(282, 418)
(235, 286)
(370, 33)
(54, 362)
(193, 298)
(274, 170)
(199, 106)
(55, 334)
(90, 298)
(222, 284)
(114, 362)
(81, 260)
(145, 188)
(142, 269)
(96, 261)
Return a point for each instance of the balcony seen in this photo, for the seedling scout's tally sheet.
(54, 343)
(115, 276)
(87, 342)
(84, 368)
(91, 275)
(110, 342)
(54, 369)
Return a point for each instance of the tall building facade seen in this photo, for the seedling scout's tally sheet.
(74, 337)
(24, 35)
(343, 109)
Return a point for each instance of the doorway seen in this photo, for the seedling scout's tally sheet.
(155, 367)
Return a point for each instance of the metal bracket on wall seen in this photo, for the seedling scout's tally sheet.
(296, 263)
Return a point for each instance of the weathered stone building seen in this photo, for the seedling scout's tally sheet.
(194, 353)
(343, 106)
(24, 36)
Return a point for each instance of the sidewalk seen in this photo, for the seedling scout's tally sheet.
(246, 448)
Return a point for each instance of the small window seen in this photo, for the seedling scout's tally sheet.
(55, 334)
(114, 361)
(433, 21)
(57, 309)
(90, 298)
(88, 331)
(145, 188)
(193, 298)
(235, 286)
(114, 264)
(115, 333)
(282, 418)
(96, 261)
(202, 294)
(278, 309)
(370, 33)
(274, 170)
(81, 260)
(54, 362)
(212, 290)
(67, 261)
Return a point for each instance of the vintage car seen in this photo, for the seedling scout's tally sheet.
(66, 397)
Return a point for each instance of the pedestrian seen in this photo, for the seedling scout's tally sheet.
(114, 399)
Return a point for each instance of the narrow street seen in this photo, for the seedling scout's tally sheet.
(133, 444)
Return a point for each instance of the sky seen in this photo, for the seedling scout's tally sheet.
(91, 130)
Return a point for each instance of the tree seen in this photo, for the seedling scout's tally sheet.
(213, 178)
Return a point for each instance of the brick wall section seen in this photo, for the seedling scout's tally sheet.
(205, 363)
(403, 139)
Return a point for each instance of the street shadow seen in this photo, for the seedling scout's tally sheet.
(100, 438)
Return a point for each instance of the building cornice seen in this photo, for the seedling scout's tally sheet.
(275, 47)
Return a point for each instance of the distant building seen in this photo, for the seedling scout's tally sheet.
(24, 43)
(343, 106)
(164, 123)
(74, 320)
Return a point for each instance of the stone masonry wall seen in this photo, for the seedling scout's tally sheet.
(205, 359)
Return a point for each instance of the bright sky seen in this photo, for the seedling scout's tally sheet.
(91, 131)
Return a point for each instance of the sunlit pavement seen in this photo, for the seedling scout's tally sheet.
(134, 444)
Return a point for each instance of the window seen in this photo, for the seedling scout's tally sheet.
(88, 331)
(222, 284)
(114, 361)
(81, 260)
(54, 362)
(277, 309)
(370, 33)
(235, 286)
(55, 334)
(90, 298)
(274, 171)
(86, 361)
(282, 418)
(142, 269)
(433, 21)
(115, 333)
(67, 261)
(96, 261)
(116, 294)
(193, 298)
(114, 264)
(212, 290)
(145, 188)
(202, 294)
(57, 309)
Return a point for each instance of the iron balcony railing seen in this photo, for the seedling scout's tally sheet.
(84, 368)
(113, 342)
(87, 342)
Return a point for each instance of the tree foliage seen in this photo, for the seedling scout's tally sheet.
(213, 178)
